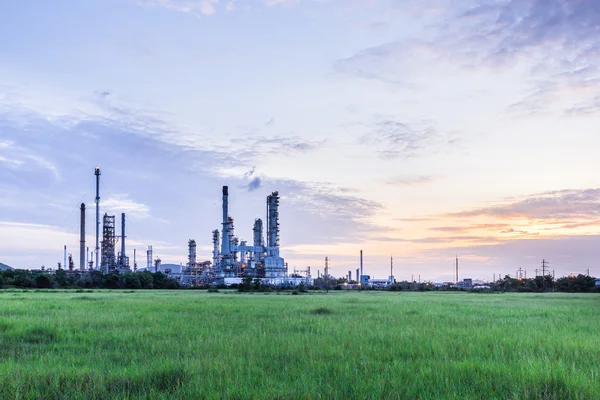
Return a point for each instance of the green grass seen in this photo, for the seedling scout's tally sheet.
(358, 345)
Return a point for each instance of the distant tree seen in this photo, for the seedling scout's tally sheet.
(61, 278)
(132, 281)
(43, 281)
(579, 283)
(160, 280)
(111, 281)
(23, 279)
(146, 280)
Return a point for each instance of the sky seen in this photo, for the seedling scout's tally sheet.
(418, 129)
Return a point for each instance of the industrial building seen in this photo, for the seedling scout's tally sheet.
(233, 259)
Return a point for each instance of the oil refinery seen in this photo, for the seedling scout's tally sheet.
(233, 259)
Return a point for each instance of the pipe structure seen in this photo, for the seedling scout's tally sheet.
(242, 251)
(258, 239)
(87, 256)
(215, 241)
(225, 240)
(149, 259)
(82, 240)
(97, 173)
(258, 233)
(273, 224)
(191, 253)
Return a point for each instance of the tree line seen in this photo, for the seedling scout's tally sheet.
(60, 279)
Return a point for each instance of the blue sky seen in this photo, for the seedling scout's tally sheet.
(418, 129)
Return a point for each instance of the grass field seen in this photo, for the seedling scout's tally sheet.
(359, 345)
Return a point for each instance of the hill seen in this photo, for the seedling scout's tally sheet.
(4, 267)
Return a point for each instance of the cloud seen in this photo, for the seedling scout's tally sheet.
(121, 203)
(197, 7)
(395, 139)
(254, 184)
(389, 63)
(329, 214)
(271, 3)
(408, 180)
(249, 173)
(208, 7)
(554, 205)
(557, 41)
(256, 147)
(21, 159)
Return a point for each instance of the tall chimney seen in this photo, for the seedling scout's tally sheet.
(82, 240)
(65, 258)
(361, 265)
(123, 258)
(97, 173)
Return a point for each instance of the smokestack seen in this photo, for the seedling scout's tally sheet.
(82, 240)
(123, 259)
(87, 256)
(134, 261)
(457, 270)
(361, 264)
(97, 173)
(357, 278)
(65, 258)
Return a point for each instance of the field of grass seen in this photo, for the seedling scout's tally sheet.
(359, 345)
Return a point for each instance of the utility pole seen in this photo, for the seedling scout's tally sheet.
(544, 267)
(525, 274)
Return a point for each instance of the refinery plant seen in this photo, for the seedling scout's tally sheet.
(233, 259)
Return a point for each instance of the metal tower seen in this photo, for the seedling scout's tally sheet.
(108, 261)
(215, 241)
(273, 220)
(191, 253)
(149, 259)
